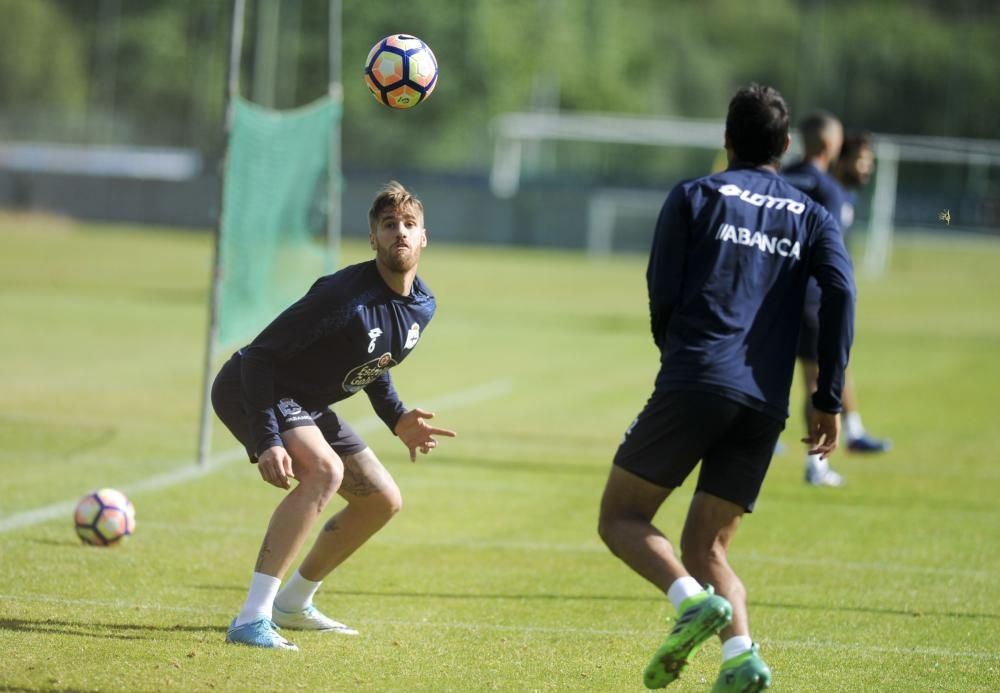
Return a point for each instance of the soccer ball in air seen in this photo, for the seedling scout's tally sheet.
(401, 71)
(104, 518)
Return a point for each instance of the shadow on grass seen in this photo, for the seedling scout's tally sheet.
(458, 595)
(500, 596)
(88, 629)
(913, 613)
(529, 466)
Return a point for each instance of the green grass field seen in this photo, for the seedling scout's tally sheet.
(492, 577)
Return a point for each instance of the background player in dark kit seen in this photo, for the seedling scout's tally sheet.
(731, 255)
(343, 336)
(820, 175)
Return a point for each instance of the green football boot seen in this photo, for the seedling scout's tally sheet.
(745, 673)
(701, 617)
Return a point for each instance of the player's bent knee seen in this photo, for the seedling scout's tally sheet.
(323, 471)
(387, 502)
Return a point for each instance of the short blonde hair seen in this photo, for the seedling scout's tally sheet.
(393, 196)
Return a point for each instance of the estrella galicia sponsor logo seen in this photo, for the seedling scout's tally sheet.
(373, 335)
(289, 407)
(412, 336)
(766, 244)
(761, 200)
(367, 372)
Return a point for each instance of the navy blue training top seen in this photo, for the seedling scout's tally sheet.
(727, 275)
(824, 189)
(341, 337)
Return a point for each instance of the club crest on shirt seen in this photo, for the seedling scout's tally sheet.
(363, 375)
(289, 407)
(412, 336)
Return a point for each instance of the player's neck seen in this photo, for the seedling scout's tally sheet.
(399, 282)
(820, 161)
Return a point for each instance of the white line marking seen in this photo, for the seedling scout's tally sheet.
(457, 625)
(473, 544)
(189, 471)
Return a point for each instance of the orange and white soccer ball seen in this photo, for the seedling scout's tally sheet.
(104, 518)
(401, 71)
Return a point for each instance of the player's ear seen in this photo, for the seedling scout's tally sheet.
(788, 143)
(423, 238)
(371, 239)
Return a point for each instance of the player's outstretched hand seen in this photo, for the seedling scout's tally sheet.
(275, 466)
(823, 433)
(417, 434)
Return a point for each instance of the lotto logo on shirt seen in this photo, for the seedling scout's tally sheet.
(363, 375)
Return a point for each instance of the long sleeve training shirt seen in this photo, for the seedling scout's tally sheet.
(727, 274)
(341, 337)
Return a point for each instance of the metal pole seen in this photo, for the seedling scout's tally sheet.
(211, 347)
(335, 178)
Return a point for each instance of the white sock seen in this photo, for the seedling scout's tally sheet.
(853, 428)
(259, 598)
(297, 594)
(818, 463)
(683, 588)
(735, 646)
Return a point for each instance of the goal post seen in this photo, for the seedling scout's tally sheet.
(279, 221)
(608, 205)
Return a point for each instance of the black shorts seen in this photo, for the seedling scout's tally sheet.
(808, 344)
(227, 400)
(676, 429)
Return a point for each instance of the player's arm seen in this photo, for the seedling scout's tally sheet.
(831, 266)
(665, 272)
(409, 425)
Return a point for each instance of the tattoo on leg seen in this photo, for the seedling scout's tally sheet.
(331, 525)
(265, 549)
(356, 480)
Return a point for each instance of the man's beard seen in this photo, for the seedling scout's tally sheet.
(399, 262)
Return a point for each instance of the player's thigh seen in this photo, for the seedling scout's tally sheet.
(368, 482)
(310, 452)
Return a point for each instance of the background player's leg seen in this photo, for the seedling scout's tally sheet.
(372, 499)
(708, 529)
(818, 471)
(626, 526)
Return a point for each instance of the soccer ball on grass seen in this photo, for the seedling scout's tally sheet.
(104, 518)
(401, 71)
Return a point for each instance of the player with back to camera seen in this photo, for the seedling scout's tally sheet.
(343, 336)
(727, 275)
(823, 144)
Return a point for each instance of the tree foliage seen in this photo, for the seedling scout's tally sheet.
(153, 71)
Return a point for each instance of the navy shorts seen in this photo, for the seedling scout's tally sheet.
(677, 429)
(227, 400)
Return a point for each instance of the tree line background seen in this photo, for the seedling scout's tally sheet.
(151, 72)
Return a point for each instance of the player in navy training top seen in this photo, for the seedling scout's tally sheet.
(274, 394)
(823, 140)
(852, 171)
(727, 274)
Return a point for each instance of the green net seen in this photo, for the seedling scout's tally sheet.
(274, 211)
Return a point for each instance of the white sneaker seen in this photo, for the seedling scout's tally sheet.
(309, 618)
(819, 473)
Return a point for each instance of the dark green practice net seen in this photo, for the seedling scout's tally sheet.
(274, 213)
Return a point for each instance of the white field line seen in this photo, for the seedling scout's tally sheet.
(472, 544)
(520, 628)
(190, 471)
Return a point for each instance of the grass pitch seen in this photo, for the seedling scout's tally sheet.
(492, 576)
